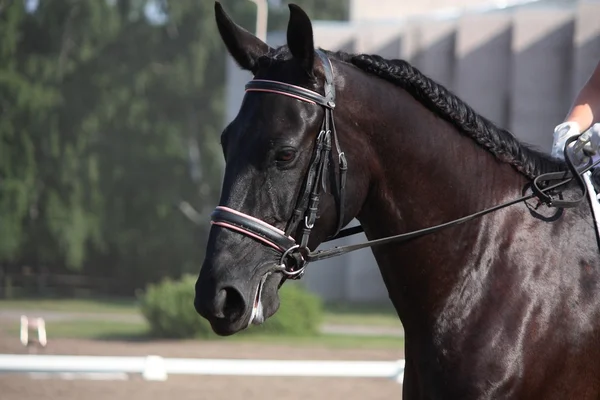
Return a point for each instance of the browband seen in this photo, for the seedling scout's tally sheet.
(298, 92)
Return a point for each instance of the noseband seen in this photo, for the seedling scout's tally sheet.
(307, 205)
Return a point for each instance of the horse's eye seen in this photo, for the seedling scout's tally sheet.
(285, 155)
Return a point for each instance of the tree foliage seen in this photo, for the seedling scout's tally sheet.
(110, 114)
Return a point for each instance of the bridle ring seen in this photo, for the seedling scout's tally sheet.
(287, 252)
(282, 262)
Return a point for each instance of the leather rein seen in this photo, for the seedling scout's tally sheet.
(296, 256)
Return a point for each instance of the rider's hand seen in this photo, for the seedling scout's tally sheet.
(563, 132)
(592, 147)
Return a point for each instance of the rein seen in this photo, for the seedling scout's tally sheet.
(538, 192)
(295, 256)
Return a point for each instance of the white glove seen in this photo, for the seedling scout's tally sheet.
(593, 145)
(563, 132)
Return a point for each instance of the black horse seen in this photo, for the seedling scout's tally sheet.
(505, 305)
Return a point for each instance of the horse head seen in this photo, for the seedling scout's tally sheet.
(284, 186)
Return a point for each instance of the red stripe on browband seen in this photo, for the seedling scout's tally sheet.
(247, 233)
(283, 93)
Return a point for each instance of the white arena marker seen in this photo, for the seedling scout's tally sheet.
(41, 326)
(154, 369)
(37, 323)
(24, 330)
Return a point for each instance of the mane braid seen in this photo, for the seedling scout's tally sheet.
(501, 143)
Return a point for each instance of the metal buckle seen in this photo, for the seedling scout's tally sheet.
(307, 225)
(342, 161)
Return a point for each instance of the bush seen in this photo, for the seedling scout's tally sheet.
(300, 313)
(168, 308)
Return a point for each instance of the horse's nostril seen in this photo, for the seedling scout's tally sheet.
(229, 303)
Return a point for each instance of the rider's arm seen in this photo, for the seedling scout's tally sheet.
(584, 112)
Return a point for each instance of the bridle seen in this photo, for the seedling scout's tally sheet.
(307, 205)
(294, 257)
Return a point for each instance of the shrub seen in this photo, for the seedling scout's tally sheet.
(300, 313)
(168, 308)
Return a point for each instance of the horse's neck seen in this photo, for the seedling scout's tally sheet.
(427, 174)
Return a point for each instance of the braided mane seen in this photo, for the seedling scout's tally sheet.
(500, 142)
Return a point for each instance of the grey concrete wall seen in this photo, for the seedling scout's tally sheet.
(434, 52)
(520, 68)
(339, 37)
(364, 10)
(483, 57)
(385, 40)
(542, 46)
(363, 279)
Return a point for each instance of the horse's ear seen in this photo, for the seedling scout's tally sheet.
(300, 38)
(244, 47)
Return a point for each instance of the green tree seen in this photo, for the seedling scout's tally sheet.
(17, 165)
(110, 114)
(41, 134)
(157, 104)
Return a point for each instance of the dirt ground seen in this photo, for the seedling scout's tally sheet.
(178, 387)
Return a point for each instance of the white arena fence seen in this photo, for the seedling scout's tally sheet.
(158, 368)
